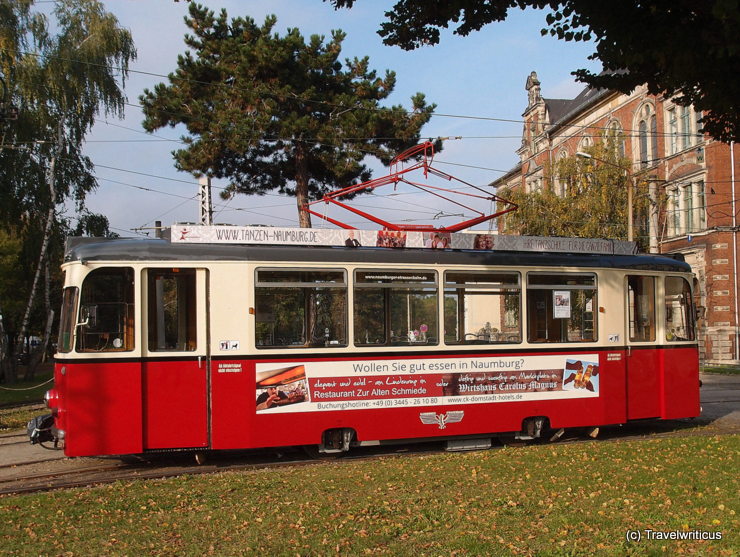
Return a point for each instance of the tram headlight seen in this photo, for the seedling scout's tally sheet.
(51, 399)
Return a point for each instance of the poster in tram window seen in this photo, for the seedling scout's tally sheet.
(394, 383)
(561, 304)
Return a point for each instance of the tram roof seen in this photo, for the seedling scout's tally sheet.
(139, 250)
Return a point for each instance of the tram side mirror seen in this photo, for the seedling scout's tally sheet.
(701, 312)
(88, 316)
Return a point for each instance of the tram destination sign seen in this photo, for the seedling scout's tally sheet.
(265, 235)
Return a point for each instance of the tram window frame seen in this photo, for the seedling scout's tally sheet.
(486, 288)
(67, 324)
(544, 292)
(112, 330)
(641, 308)
(271, 282)
(374, 311)
(679, 305)
(172, 314)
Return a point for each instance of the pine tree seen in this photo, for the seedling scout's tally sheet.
(271, 112)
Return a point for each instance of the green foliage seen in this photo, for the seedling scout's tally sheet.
(684, 48)
(61, 72)
(92, 224)
(13, 285)
(273, 112)
(721, 370)
(591, 201)
(65, 78)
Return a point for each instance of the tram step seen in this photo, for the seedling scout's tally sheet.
(468, 444)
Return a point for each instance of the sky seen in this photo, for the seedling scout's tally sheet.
(477, 83)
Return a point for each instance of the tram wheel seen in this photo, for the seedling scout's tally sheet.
(200, 458)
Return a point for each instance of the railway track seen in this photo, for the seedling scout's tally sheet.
(45, 475)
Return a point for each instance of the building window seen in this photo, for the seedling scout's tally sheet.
(672, 131)
(675, 212)
(532, 134)
(560, 183)
(682, 128)
(615, 138)
(685, 127)
(687, 211)
(643, 143)
(646, 133)
(534, 185)
(701, 206)
(697, 122)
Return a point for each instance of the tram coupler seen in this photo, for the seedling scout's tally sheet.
(40, 429)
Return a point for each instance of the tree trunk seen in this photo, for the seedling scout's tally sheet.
(49, 311)
(301, 186)
(4, 352)
(38, 356)
(50, 177)
(654, 214)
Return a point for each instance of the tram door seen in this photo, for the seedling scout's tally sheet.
(644, 363)
(175, 366)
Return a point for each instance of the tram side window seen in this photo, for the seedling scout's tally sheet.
(172, 310)
(482, 307)
(560, 307)
(641, 308)
(679, 310)
(395, 307)
(106, 319)
(301, 308)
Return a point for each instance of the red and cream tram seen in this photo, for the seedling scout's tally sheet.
(178, 345)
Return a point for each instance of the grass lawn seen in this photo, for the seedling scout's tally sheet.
(11, 417)
(569, 499)
(27, 391)
(723, 370)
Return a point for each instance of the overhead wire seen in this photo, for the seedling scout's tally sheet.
(308, 100)
(281, 95)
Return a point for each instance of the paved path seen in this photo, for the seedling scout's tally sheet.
(720, 399)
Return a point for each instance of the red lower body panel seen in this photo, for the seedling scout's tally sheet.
(359, 394)
(130, 407)
(101, 407)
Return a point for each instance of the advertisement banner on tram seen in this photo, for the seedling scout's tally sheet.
(393, 383)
